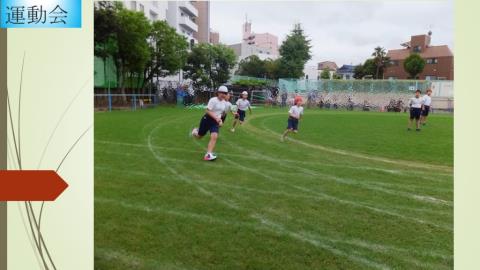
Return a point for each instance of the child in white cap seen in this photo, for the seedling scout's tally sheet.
(212, 121)
(242, 105)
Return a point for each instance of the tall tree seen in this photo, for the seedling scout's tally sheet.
(168, 51)
(252, 66)
(132, 32)
(272, 69)
(381, 60)
(208, 65)
(105, 39)
(295, 52)
(414, 65)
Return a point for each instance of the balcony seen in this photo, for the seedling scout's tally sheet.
(186, 23)
(188, 8)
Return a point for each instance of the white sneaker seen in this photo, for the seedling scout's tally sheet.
(209, 157)
(232, 130)
(195, 132)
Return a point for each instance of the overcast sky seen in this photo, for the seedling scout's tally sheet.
(344, 32)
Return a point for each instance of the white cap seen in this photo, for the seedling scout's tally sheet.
(222, 89)
(245, 93)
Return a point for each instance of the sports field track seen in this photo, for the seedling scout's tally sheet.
(351, 190)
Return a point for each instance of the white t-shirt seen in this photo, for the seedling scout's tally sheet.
(296, 111)
(243, 104)
(217, 106)
(416, 102)
(228, 106)
(427, 100)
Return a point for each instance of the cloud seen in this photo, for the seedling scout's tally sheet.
(345, 32)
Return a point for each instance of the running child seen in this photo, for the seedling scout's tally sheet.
(212, 121)
(415, 104)
(294, 115)
(427, 102)
(228, 107)
(242, 105)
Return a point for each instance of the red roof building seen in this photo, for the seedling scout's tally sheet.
(439, 59)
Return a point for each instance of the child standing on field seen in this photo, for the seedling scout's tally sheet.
(416, 104)
(427, 102)
(212, 121)
(242, 105)
(294, 115)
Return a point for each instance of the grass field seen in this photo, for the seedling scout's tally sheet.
(351, 190)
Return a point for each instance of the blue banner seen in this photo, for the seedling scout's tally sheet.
(40, 13)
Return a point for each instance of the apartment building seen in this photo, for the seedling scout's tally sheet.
(182, 16)
(214, 37)
(203, 21)
(265, 41)
(153, 10)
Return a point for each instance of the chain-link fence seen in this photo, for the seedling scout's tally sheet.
(388, 95)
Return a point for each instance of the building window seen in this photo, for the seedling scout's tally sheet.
(141, 7)
(134, 6)
(393, 62)
(417, 49)
(441, 78)
(432, 60)
(430, 78)
(392, 78)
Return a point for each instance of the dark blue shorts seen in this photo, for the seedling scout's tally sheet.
(292, 123)
(426, 110)
(241, 115)
(415, 113)
(207, 124)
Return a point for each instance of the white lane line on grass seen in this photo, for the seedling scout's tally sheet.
(211, 219)
(134, 172)
(162, 160)
(237, 207)
(378, 248)
(351, 182)
(368, 185)
(135, 262)
(320, 244)
(345, 152)
(169, 211)
(324, 196)
(271, 159)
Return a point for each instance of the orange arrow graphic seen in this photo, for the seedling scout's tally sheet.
(30, 185)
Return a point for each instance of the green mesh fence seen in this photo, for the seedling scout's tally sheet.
(359, 94)
(373, 86)
(105, 75)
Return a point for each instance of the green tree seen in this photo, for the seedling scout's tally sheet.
(295, 52)
(368, 68)
(168, 51)
(208, 66)
(272, 69)
(358, 72)
(414, 65)
(325, 74)
(337, 76)
(133, 53)
(252, 66)
(105, 39)
(381, 61)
